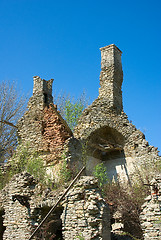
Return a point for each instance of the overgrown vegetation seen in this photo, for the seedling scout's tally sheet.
(127, 199)
(24, 159)
(100, 173)
(71, 108)
(64, 173)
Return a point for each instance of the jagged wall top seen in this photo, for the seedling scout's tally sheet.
(42, 93)
(41, 85)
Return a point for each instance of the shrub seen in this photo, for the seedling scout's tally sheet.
(64, 173)
(25, 159)
(100, 173)
(127, 200)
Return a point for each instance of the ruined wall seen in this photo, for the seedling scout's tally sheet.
(42, 127)
(25, 203)
(86, 213)
(150, 216)
(110, 137)
(30, 125)
(54, 135)
(15, 202)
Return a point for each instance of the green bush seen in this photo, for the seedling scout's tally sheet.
(100, 173)
(127, 200)
(24, 159)
(65, 173)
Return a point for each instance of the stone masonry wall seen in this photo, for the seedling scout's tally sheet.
(104, 123)
(42, 127)
(25, 203)
(85, 212)
(134, 148)
(15, 202)
(150, 216)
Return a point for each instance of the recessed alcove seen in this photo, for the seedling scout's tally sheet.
(107, 145)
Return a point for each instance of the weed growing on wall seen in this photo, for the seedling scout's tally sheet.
(122, 198)
(65, 173)
(127, 200)
(80, 237)
(28, 160)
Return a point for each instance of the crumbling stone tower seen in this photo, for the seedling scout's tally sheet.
(42, 127)
(42, 93)
(30, 125)
(111, 76)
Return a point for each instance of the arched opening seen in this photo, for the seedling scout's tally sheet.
(107, 145)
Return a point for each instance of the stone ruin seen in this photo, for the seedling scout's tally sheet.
(42, 126)
(104, 127)
(108, 137)
(150, 216)
(82, 213)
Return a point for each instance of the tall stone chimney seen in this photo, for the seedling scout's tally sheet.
(111, 76)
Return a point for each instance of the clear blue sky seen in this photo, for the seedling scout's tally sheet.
(61, 40)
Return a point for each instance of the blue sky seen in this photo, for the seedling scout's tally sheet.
(61, 40)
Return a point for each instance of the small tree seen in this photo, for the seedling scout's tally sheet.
(71, 108)
(12, 106)
(100, 173)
